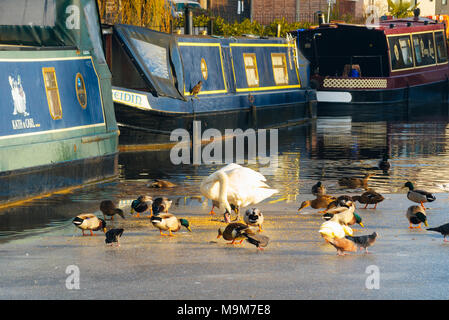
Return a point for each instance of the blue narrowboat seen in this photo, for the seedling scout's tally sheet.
(244, 83)
(58, 128)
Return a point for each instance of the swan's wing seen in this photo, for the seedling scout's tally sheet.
(246, 176)
(260, 194)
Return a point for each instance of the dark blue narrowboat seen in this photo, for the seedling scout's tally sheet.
(58, 128)
(245, 83)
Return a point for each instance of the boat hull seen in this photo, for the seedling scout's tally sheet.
(152, 128)
(429, 92)
(29, 183)
(49, 139)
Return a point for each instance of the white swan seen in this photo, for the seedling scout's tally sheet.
(235, 185)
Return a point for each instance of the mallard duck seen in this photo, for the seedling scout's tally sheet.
(354, 183)
(167, 221)
(161, 204)
(237, 185)
(344, 215)
(443, 229)
(253, 217)
(341, 201)
(141, 205)
(109, 209)
(416, 215)
(318, 189)
(333, 229)
(320, 202)
(363, 242)
(345, 218)
(238, 231)
(334, 233)
(88, 221)
(384, 165)
(369, 197)
(113, 236)
(161, 184)
(342, 245)
(418, 196)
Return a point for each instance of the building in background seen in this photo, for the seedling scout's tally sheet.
(265, 11)
(230, 10)
(441, 6)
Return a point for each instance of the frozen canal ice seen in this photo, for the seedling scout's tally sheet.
(297, 264)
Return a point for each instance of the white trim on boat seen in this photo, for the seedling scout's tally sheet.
(51, 131)
(333, 96)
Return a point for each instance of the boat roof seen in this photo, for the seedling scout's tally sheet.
(51, 24)
(391, 26)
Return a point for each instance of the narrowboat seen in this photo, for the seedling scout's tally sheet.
(396, 62)
(162, 82)
(58, 129)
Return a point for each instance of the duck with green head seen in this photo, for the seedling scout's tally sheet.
(238, 231)
(141, 204)
(418, 196)
(168, 222)
(416, 215)
(344, 215)
(90, 222)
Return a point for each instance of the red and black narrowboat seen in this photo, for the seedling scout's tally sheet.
(397, 62)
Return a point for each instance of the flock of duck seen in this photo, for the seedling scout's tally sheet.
(234, 187)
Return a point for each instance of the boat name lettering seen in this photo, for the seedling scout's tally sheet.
(23, 124)
(132, 99)
(127, 97)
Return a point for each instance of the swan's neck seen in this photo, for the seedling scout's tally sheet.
(223, 192)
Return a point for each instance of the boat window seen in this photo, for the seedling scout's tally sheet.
(154, 57)
(51, 88)
(252, 77)
(400, 52)
(424, 49)
(441, 47)
(279, 68)
(81, 90)
(204, 69)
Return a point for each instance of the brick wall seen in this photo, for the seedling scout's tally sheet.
(228, 9)
(265, 11)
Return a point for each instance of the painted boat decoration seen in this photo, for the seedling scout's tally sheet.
(58, 128)
(244, 83)
(399, 61)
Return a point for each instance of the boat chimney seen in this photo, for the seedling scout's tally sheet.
(416, 13)
(188, 20)
(320, 18)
